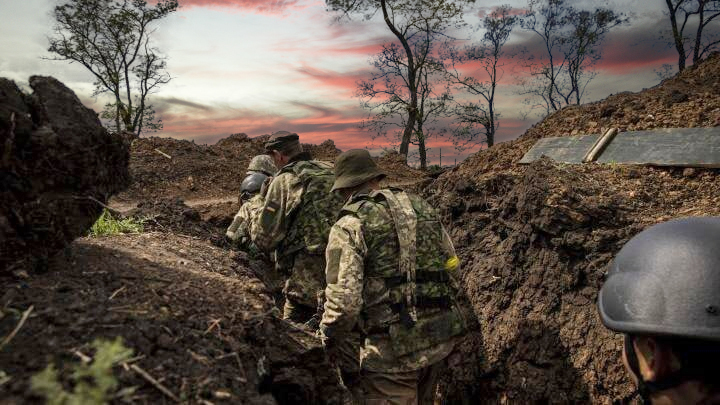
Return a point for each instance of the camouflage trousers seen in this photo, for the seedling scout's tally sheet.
(297, 312)
(305, 282)
(366, 387)
(409, 388)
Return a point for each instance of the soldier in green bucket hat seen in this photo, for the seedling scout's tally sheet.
(391, 316)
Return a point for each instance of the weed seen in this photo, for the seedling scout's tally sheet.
(107, 225)
(94, 383)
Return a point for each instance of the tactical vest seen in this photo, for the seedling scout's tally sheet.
(310, 222)
(407, 291)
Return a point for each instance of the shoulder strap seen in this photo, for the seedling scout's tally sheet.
(405, 220)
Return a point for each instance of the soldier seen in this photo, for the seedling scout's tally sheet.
(260, 169)
(390, 308)
(294, 221)
(663, 293)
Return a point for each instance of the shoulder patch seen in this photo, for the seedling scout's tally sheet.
(269, 213)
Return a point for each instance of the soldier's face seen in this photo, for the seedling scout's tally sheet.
(277, 158)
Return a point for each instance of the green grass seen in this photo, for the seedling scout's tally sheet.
(108, 225)
(95, 382)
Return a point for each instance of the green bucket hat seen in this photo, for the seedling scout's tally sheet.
(353, 168)
(282, 140)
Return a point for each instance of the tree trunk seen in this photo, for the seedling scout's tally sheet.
(421, 148)
(677, 36)
(698, 34)
(412, 74)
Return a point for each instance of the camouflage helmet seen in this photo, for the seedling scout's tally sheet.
(262, 164)
(355, 167)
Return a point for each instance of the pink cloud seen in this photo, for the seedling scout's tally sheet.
(486, 11)
(349, 47)
(319, 124)
(258, 6)
(332, 79)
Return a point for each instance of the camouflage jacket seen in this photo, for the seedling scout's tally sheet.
(298, 209)
(394, 286)
(294, 222)
(239, 230)
(283, 197)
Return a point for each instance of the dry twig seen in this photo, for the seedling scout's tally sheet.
(118, 291)
(83, 357)
(144, 374)
(163, 153)
(213, 324)
(20, 324)
(95, 200)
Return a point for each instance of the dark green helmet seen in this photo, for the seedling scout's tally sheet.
(251, 184)
(665, 281)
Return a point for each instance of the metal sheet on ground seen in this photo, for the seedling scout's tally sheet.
(567, 149)
(694, 147)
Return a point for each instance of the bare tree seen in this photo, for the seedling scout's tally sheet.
(416, 24)
(699, 14)
(386, 97)
(571, 41)
(489, 53)
(111, 39)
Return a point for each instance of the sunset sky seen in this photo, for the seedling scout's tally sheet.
(258, 66)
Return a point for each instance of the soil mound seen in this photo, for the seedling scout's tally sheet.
(536, 240)
(171, 215)
(398, 172)
(326, 151)
(168, 168)
(690, 99)
(199, 321)
(58, 166)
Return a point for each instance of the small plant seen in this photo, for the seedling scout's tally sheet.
(94, 383)
(107, 225)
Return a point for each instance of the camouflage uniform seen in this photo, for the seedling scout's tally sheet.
(390, 285)
(239, 230)
(294, 221)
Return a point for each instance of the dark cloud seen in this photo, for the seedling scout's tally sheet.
(164, 104)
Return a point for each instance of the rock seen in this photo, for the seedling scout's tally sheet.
(689, 172)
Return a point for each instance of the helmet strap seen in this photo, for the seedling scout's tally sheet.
(646, 389)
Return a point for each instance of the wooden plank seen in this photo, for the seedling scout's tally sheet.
(566, 149)
(684, 147)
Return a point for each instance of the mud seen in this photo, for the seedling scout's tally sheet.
(58, 166)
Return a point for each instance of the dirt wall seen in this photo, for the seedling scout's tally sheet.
(58, 166)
